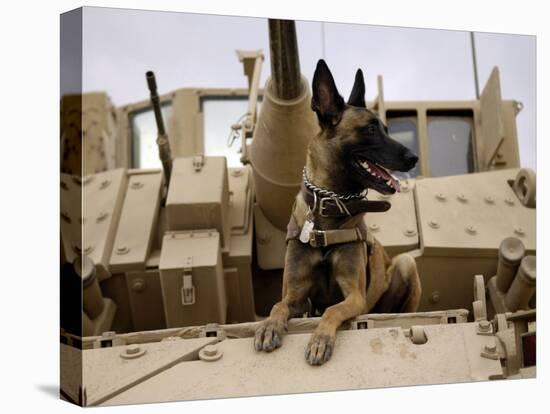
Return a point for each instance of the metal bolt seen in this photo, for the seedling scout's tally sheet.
(374, 227)
(462, 198)
(122, 250)
(440, 196)
(484, 326)
(210, 350)
(471, 230)
(491, 348)
(136, 185)
(132, 349)
(410, 232)
(509, 201)
(104, 184)
(210, 353)
(519, 231)
(489, 200)
(433, 224)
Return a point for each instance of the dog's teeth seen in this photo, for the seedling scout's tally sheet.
(388, 182)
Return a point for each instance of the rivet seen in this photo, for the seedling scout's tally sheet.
(519, 231)
(440, 196)
(264, 239)
(104, 184)
(102, 216)
(136, 185)
(138, 285)
(122, 250)
(509, 201)
(374, 227)
(410, 232)
(435, 297)
(489, 200)
(462, 198)
(471, 230)
(433, 224)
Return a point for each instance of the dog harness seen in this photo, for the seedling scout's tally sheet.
(328, 204)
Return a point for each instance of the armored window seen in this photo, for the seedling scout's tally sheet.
(144, 136)
(450, 144)
(402, 126)
(219, 114)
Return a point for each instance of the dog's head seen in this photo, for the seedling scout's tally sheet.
(355, 136)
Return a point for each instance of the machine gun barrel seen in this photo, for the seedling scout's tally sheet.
(285, 62)
(165, 153)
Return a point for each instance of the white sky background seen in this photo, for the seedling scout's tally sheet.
(192, 50)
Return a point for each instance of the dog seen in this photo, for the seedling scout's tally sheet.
(331, 263)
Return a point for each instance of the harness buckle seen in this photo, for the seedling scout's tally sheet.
(318, 238)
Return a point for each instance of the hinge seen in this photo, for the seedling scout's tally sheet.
(188, 290)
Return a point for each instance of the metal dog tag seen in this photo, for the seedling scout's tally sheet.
(306, 229)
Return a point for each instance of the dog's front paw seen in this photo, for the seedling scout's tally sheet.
(319, 349)
(269, 335)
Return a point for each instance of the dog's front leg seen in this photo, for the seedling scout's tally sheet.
(348, 266)
(297, 281)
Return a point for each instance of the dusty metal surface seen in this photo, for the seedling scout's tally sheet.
(362, 359)
(109, 371)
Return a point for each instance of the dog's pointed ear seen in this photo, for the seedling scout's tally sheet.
(326, 101)
(357, 95)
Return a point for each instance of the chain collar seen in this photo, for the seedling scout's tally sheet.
(328, 193)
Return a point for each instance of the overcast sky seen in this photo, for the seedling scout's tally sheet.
(192, 50)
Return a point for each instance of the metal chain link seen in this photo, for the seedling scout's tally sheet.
(328, 193)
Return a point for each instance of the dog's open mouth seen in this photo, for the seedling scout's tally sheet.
(382, 179)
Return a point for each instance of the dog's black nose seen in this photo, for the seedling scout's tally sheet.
(410, 159)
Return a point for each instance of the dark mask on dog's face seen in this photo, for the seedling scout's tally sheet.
(356, 136)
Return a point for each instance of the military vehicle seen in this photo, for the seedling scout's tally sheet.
(171, 254)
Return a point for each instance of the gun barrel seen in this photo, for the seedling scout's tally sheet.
(152, 84)
(285, 62)
(165, 153)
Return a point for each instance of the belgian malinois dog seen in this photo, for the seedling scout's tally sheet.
(328, 266)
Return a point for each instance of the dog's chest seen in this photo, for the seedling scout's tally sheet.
(325, 291)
